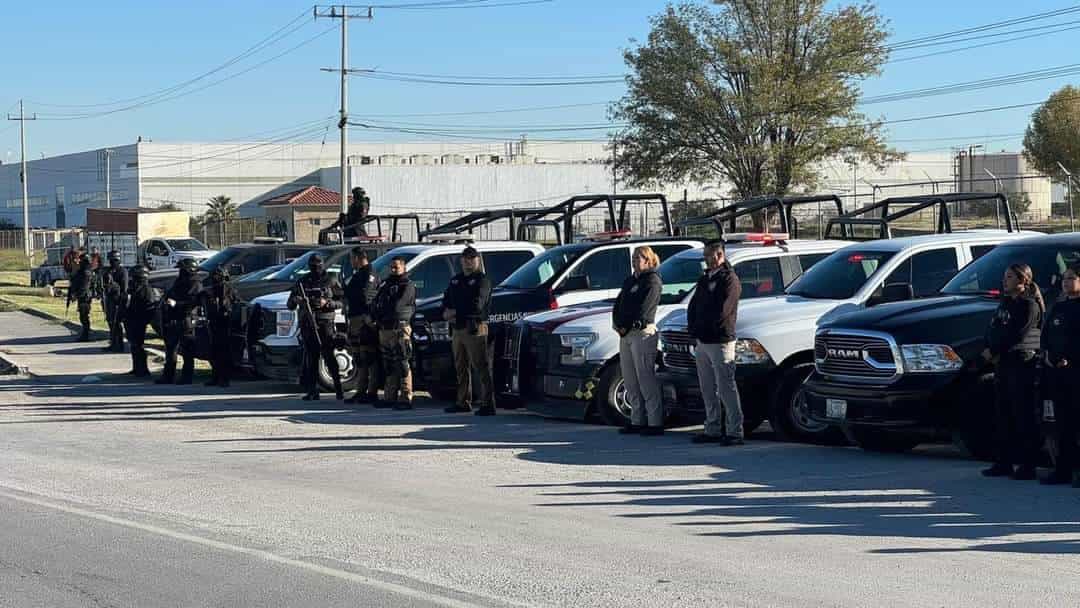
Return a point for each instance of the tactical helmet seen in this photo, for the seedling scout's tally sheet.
(139, 272)
(114, 255)
(187, 267)
(315, 263)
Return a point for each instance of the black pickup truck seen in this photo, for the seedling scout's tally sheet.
(900, 374)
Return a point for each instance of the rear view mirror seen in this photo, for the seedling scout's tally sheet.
(897, 292)
(577, 282)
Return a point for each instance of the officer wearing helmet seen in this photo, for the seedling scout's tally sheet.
(114, 282)
(316, 298)
(141, 305)
(217, 302)
(80, 291)
(177, 316)
(350, 221)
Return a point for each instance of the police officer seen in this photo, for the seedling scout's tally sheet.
(363, 336)
(316, 297)
(177, 316)
(81, 291)
(711, 318)
(1013, 339)
(466, 303)
(349, 221)
(1061, 379)
(114, 280)
(394, 306)
(217, 302)
(141, 307)
(634, 319)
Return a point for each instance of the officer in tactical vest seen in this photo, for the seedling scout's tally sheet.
(394, 306)
(465, 306)
(114, 281)
(317, 297)
(363, 336)
(141, 307)
(81, 291)
(177, 316)
(217, 302)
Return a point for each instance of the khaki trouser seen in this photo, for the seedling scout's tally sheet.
(395, 347)
(637, 360)
(716, 373)
(363, 343)
(471, 362)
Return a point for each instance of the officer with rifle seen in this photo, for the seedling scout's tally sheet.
(393, 309)
(317, 297)
(114, 282)
(81, 291)
(142, 304)
(177, 317)
(217, 302)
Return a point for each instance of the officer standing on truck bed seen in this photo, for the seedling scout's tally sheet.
(1061, 379)
(80, 290)
(217, 302)
(178, 323)
(711, 317)
(316, 298)
(466, 304)
(114, 282)
(363, 336)
(394, 306)
(1013, 339)
(141, 306)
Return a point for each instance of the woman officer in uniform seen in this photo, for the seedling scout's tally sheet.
(1061, 379)
(1013, 339)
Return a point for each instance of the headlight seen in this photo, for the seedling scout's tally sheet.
(578, 343)
(749, 351)
(440, 331)
(286, 323)
(929, 358)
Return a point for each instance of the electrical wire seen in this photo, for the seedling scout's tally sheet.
(985, 27)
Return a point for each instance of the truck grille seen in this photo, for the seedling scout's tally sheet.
(677, 351)
(855, 356)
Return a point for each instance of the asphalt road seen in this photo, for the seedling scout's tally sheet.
(115, 493)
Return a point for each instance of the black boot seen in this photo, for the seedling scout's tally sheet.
(338, 393)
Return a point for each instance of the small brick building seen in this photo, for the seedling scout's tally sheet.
(305, 211)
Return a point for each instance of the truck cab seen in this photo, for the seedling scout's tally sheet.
(165, 252)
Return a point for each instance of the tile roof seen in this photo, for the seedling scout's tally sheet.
(312, 195)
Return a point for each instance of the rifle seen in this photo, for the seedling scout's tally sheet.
(311, 314)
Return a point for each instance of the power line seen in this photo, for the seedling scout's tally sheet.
(974, 85)
(979, 46)
(988, 26)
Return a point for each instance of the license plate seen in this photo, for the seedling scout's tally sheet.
(836, 408)
(1048, 410)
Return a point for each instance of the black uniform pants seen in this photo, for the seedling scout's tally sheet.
(312, 349)
(116, 325)
(1016, 420)
(1061, 386)
(136, 335)
(220, 351)
(178, 336)
(83, 305)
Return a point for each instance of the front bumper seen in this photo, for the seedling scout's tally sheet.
(918, 403)
(681, 391)
(564, 393)
(280, 361)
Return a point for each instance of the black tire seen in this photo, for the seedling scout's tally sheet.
(348, 371)
(611, 396)
(974, 433)
(879, 440)
(788, 413)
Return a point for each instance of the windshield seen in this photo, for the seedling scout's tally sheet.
(185, 245)
(679, 274)
(381, 265)
(221, 258)
(543, 268)
(259, 275)
(984, 275)
(839, 276)
(299, 267)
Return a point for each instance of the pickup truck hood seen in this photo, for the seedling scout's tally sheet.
(761, 312)
(959, 321)
(274, 301)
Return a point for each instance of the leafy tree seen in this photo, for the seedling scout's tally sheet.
(169, 206)
(752, 92)
(1054, 135)
(220, 209)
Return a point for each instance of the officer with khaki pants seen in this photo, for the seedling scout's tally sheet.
(465, 306)
(634, 319)
(392, 311)
(360, 294)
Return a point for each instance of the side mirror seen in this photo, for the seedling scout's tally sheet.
(897, 292)
(577, 282)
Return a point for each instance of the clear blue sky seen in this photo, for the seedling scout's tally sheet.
(67, 52)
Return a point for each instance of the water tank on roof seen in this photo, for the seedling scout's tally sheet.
(421, 159)
(453, 159)
(390, 159)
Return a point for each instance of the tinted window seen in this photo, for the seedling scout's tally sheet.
(290, 253)
(500, 264)
(807, 260)
(760, 278)
(225, 256)
(544, 267)
(977, 251)
(680, 274)
(257, 259)
(839, 275)
(299, 267)
(381, 265)
(606, 269)
(926, 272)
(186, 245)
(431, 276)
(984, 275)
(666, 251)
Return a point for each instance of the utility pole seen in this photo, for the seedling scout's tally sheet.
(27, 245)
(1069, 185)
(342, 12)
(108, 178)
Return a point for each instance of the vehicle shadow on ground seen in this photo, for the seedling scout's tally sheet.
(65, 339)
(929, 499)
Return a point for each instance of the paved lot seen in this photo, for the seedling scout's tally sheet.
(116, 493)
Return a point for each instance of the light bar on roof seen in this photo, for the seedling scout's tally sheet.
(610, 235)
(765, 238)
(377, 238)
(450, 238)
